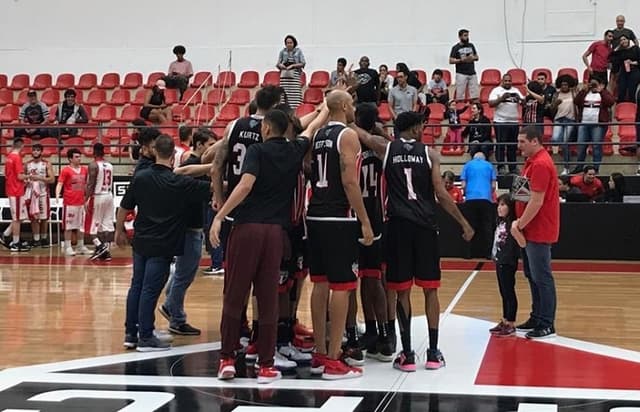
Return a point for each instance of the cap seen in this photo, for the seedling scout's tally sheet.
(161, 84)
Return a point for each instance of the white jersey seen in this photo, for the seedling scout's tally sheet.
(178, 153)
(104, 178)
(37, 168)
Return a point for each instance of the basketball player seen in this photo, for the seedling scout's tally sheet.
(412, 172)
(73, 180)
(333, 232)
(99, 201)
(15, 179)
(41, 176)
(183, 148)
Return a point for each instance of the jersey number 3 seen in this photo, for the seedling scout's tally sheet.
(239, 150)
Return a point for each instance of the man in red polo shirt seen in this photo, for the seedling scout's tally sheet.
(14, 188)
(600, 51)
(588, 183)
(538, 211)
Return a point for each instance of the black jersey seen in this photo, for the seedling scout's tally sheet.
(407, 169)
(244, 132)
(372, 186)
(328, 198)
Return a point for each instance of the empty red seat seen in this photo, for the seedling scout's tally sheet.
(249, 79)
(216, 97)
(72, 143)
(319, 79)
(49, 146)
(180, 113)
(96, 97)
(122, 148)
(568, 71)
(129, 113)
(50, 97)
(132, 80)
(42, 81)
(9, 114)
(191, 96)
(6, 97)
(490, 77)
(229, 113)
(120, 97)
(110, 81)
(226, 79)
(115, 130)
(313, 96)
(204, 113)
(484, 94)
(535, 72)
(20, 82)
(90, 131)
(383, 112)
(105, 114)
(87, 81)
(304, 109)
(170, 96)
(518, 76)
(240, 97)
(22, 97)
(139, 97)
(65, 81)
(271, 78)
(422, 76)
(436, 111)
(487, 110)
(625, 112)
(446, 76)
(4, 81)
(201, 78)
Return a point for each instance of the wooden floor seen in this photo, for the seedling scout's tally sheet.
(59, 309)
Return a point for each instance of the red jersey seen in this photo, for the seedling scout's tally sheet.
(591, 190)
(74, 183)
(456, 194)
(600, 54)
(12, 168)
(540, 175)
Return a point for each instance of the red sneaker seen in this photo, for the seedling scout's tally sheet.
(303, 343)
(302, 330)
(317, 363)
(252, 352)
(227, 369)
(337, 369)
(268, 374)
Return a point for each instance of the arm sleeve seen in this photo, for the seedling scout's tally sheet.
(45, 110)
(474, 49)
(463, 173)
(301, 57)
(302, 145)
(454, 53)
(495, 93)
(251, 162)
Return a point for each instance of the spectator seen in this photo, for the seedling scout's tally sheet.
(154, 108)
(454, 130)
(368, 88)
(412, 76)
(534, 107)
(180, 71)
(386, 82)
(568, 192)
(34, 113)
(478, 132)
(437, 89)
(14, 187)
(564, 111)
(594, 104)
(600, 52)
(614, 192)
(589, 184)
(619, 31)
(290, 63)
(402, 98)
(455, 192)
(68, 112)
(548, 91)
(339, 75)
(464, 55)
(506, 100)
(626, 58)
(479, 184)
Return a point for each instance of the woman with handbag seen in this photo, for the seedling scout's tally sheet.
(290, 63)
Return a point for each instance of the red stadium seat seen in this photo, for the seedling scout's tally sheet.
(129, 113)
(518, 76)
(170, 96)
(87, 81)
(305, 109)
(249, 79)
(216, 97)
(490, 77)
(42, 81)
(484, 93)
(64, 81)
(568, 71)
(49, 146)
(422, 76)
(22, 97)
(122, 150)
(180, 113)
(625, 112)
(585, 76)
(115, 131)
(271, 78)
(152, 79)
(9, 114)
(436, 111)
(4, 81)
(110, 81)
(313, 96)
(20, 82)
(303, 79)
(384, 113)
(628, 140)
(120, 97)
(90, 131)
(139, 97)
(72, 143)
(96, 98)
(240, 97)
(105, 114)
(487, 111)
(204, 113)
(191, 96)
(132, 81)
(319, 79)
(50, 97)
(446, 76)
(226, 79)
(88, 148)
(534, 74)
(6, 97)
(201, 78)
(228, 113)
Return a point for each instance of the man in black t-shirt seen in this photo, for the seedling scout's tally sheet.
(464, 55)
(368, 86)
(69, 112)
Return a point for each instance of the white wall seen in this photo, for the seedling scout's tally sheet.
(138, 35)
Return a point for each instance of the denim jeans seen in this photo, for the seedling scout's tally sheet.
(536, 259)
(590, 133)
(149, 276)
(562, 134)
(186, 269)
(215, 252)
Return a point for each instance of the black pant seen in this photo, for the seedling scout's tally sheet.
(627, 84)
(481, 216)
(485, 147)
(506, 133)
(507, 285)
(177, 81)
(42, 132)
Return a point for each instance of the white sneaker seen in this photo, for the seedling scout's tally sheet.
(565, 172)
(163, 336)
(638, 171)
(280, 362)
(83, 250)
(294, 354)
(69, 252)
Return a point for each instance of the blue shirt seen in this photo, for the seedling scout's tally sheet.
(478, 175)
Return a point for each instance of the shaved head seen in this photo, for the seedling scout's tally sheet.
(340, 104)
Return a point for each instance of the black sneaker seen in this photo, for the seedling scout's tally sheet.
(44, 243)
(152, 344)
(541, 333)
(164, 312)
(435, 360)
(5, 241)
(19, 247)
(383, 351)
(352, 355)
(130, 341)
(106, 257)
(529, 325)
(368, 342)
(34, 243)
(99, 252)
(185, 329)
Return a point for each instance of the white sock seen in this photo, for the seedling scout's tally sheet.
(16, 239)
(36, 236)
(80, 239)
(66, 244)
(7, 231)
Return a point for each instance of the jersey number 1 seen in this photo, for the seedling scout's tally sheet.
(322, 171)
(411, 194)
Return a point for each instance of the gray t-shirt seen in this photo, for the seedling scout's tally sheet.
(403, 99)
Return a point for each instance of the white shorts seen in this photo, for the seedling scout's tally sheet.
(18, 206)
(73, 217)
(41, 209)
(99, 216)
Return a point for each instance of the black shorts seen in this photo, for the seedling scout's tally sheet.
(370, 259)
(299, 250)
(413, 255)
(333, 252)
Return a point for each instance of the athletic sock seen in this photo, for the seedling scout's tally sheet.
(36, 236)
(80, 240)
(16, 239)
(404, 320)
(370, 327)
(352, 335)
(96, 242)
(254, 331)
(383, 332)
(284, 332)
(433, 339)
(391, 327)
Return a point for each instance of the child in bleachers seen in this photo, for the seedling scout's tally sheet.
(454, 132)
(437, 91)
